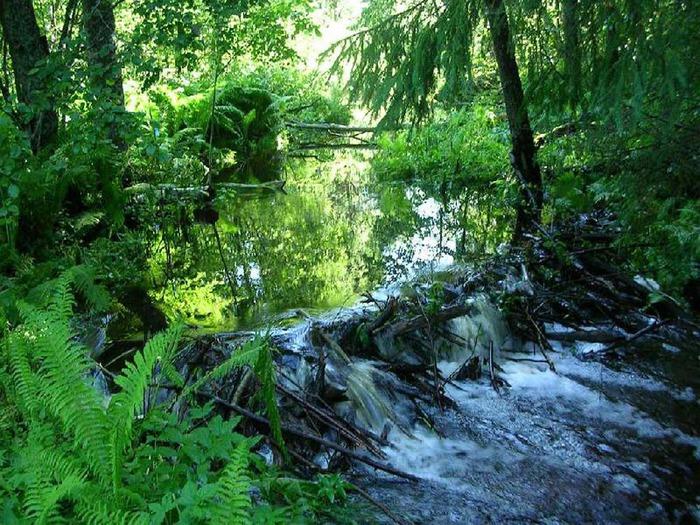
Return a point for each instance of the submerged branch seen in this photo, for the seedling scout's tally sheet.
(202, 192)
(337, 128)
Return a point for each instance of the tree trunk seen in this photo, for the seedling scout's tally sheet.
(28, 47)
(523, 158)
(105, 71)
(572, 53)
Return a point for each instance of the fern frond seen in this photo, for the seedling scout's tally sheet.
(246, 355)
(65, 391)
(232, 501)
(135, 382)
(265, 370)
(58, 466)
(25, 385)
(168, 370)
(51, 369)
(96, 513)
(62, 300)
(83, 278)
(42, 499)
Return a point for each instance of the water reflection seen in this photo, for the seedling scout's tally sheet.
(333, 234)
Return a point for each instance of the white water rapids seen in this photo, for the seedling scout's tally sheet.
(585, 444)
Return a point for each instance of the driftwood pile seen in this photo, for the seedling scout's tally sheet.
(579, 281)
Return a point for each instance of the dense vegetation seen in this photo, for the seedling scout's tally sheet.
(143, 145)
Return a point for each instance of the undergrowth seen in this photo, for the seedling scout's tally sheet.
(72, 454)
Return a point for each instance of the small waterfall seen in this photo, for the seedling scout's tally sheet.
(476, 331)
(372, 407)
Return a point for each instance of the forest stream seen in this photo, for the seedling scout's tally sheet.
(298, 262)
(581, 439)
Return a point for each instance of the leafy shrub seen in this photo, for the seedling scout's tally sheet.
(462, 163)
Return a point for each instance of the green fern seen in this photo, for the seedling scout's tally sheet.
(25, 384)
(246, 355)
(42, 500)
(135, 382)
(231, 505)
(70, 459)
(83, 278)
(98, 513)
(51, 368)
(265, 370)
(257, 355)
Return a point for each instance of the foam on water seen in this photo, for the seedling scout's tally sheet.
(431, 457)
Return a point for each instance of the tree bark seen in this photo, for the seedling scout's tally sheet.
(523, 154)
(105, 70)
(28, 47)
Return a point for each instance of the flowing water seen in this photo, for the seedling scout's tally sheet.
(589, 443)
(586, 444)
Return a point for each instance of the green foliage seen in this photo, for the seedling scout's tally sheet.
(170, 38)
(627, 54)
(622, 70)
(461, 162)
(135, 382)
(245, 356)
(33, 286)
(644, 175)
(71, 454)
(265, 370)
(232, 504)
(401, 61)
(14, 152)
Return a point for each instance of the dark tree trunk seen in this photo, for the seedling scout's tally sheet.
(28, 47)
(105, 71)
(572, 53)
(523, 155)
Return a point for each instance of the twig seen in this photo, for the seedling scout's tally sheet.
(232, 286)
(334, 346)
(319, 440)
(526, 359)
(542, 340)
(636, 335)
(385, 315)
(494, 384)
(123, 354)
(339, 425)
(328, 408)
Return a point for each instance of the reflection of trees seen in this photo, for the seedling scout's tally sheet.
(306, 248)
(311, 247)
(467, 221)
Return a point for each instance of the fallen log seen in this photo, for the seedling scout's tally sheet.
(592, 336)
(324, 126)
(386, 314)
(421, 321)
(632, 337)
